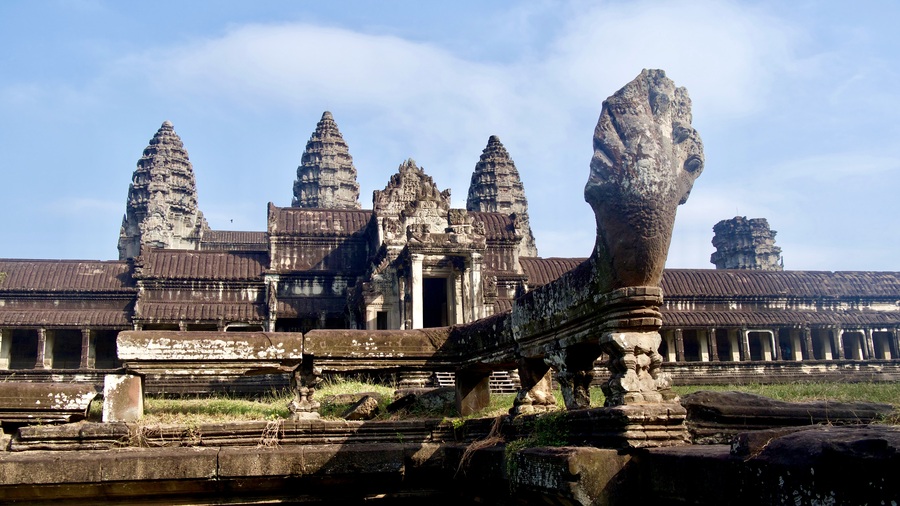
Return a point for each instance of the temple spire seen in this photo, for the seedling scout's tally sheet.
(326, 177)
(162, 211)
(497, 188)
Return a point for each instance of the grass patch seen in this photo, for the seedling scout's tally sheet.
(817, 391)
(273, 406)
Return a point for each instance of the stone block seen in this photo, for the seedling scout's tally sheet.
(123, 398)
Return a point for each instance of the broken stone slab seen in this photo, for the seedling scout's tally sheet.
(365, 409)
(716, 417)
(39, 403)
(424, 399)
(348, 398)
(123, 398)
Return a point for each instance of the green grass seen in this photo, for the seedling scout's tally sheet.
(800, 392)
(273, 406)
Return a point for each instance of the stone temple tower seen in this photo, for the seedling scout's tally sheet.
(496, 187)
(326, 177)
(746, 244)
(161, 211)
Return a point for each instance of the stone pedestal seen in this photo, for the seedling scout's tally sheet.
(123, 398)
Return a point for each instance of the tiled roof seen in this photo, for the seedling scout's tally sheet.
(497, 226)
(200, 311)
(65, 276)
(203, 265)
(742, 283)
(541, 271)
(732, 283)
(67, 317)
(317, 222)
(777, 318)
(234, 240)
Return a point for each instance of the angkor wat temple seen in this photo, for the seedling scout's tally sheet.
(410, 262)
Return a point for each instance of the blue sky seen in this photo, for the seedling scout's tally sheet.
(797, 104)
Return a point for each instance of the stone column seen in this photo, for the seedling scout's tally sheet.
(808, 343)
(870, 344)
(679, 345)
(766, 348)
(713, 345)
(417, 292)
(466, 290)
(88, 351)
(670, 346)
(839, 342)
(745, 345)
(796, 346)
(703, 346)
(459, 299)
(895, 338)
(42, 361)
(371, 319)
(776, 345)
(476, 295)
(735, 343)
(5, 347)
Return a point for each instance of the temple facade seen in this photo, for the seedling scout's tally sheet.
(410, 261)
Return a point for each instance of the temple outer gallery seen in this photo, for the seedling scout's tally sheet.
(412, 261)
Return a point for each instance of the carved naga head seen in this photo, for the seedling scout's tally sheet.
(646, 158)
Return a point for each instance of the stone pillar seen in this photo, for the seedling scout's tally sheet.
(776, 346)
(895, 342)
(182, 326)
(884, 349)
(476, 295)
(417, 292)
(766, 348)
(679, 345)
(713, 344)
(88, 350)
(466, 290)
(43, 358)
(745, 345)
(473, 391)
(870, 344)
(735, 343)
(808, 343)
(371, 318)
(703, 346)
(5, 347)
(459, 300)
(796, 346)
(670, 346)
(839, 342)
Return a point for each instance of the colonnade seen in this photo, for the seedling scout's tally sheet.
(795, 343)
(50, 348)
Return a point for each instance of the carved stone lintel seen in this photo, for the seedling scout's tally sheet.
(304, 380)
(535, 394)
(634, 363)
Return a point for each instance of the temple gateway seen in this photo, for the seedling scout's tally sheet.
(411, 261)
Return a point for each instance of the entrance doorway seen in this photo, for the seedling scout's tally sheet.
(434, 302)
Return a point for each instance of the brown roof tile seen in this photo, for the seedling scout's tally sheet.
(318, 222)
(541, 271)
(203, 265)
(747, 283)
(233, 240)
(200, 311)
(66, 318)
(497, 226)
(65, 276)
